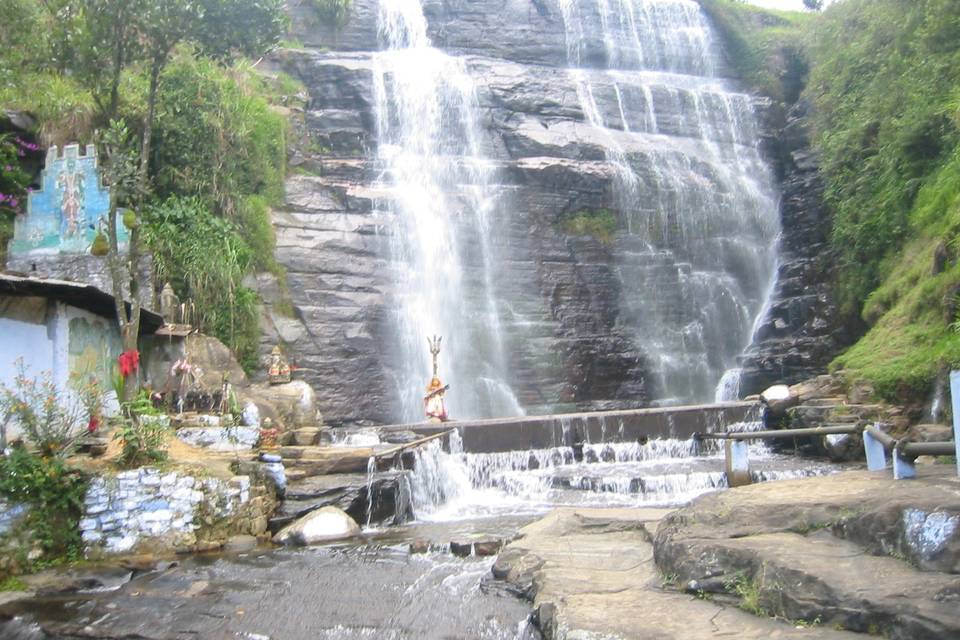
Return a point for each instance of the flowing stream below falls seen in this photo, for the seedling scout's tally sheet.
(377, 587)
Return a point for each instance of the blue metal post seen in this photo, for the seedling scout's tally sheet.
(738, 463)
(903, 469)
(876, 454)
(955, 402)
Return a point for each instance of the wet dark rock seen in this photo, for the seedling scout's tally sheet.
(420, 545)
(804, 329)
(349, 492)
(461, 549)
(487, 547)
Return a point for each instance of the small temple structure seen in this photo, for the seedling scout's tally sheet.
(69, 209)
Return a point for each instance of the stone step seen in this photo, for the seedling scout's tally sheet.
(307, 436)
(801, 550)
(591, 574)
(832, 402)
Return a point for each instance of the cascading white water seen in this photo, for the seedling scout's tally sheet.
(439, 190)
(698, 258)
(659, 472)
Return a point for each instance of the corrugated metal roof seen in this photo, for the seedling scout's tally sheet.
(77, 294)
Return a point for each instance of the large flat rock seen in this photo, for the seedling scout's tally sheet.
(591, 574)
(857, 551)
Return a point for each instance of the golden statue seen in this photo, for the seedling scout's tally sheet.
(279, 371)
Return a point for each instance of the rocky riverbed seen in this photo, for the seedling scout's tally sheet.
(827, 557)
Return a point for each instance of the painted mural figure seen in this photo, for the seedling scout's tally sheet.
(70, 184)
(433, 403)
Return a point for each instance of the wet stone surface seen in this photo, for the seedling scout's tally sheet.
(322, 592)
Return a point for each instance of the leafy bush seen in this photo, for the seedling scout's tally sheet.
(217, 138)
(13, 184)
(54, 493)
(206, 258)
(334, 12)
(51, 419)
(765, 47)
(883, 84)
(141, 433)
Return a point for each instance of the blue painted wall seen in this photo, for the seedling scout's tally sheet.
(64, 215)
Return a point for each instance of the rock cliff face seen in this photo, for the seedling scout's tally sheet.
(575, 312)
(804, 329)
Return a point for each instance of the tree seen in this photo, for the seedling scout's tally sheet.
(119, 35)
(813, 5)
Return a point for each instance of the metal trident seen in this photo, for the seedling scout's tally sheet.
(434, 343)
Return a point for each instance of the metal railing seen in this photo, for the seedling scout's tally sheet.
(876, 444)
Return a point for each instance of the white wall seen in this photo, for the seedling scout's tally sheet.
(39, 331)
(24, 333)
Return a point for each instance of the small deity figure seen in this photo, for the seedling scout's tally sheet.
(433, 402)
(279, 371)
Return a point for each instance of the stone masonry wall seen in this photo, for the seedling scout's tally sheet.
(171, 511)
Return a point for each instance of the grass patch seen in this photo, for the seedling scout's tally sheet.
(914, 312)
(766, 47)
(13, 583)
(600, 224)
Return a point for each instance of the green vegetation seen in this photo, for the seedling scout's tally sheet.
(12, 583)
(884, 81)
(334, 12)
(765, 47)
(888, 128)
(601, 224)
(54, 493)
(141, 432)
(180, 117)
(749, 591)
(206, 254)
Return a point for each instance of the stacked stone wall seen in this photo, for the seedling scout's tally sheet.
(150, 509)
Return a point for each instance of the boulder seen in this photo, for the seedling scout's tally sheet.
(778, 399)
(323, 525)
(212, 360)
(929, 433)
(294, 403)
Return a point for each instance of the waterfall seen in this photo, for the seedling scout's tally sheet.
(438, 186)
(699, 215)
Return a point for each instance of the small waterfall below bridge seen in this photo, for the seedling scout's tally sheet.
(660, 472)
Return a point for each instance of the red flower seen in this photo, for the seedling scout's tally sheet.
(93, 424)
(129, 362)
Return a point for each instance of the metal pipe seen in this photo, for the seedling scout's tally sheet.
(780, 433)
(888, 441)
(914, 449)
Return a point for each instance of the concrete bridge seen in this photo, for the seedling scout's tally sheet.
(540, 432)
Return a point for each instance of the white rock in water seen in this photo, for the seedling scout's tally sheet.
(775, 393)
(323, 525)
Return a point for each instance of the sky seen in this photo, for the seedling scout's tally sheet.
(782, 4)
